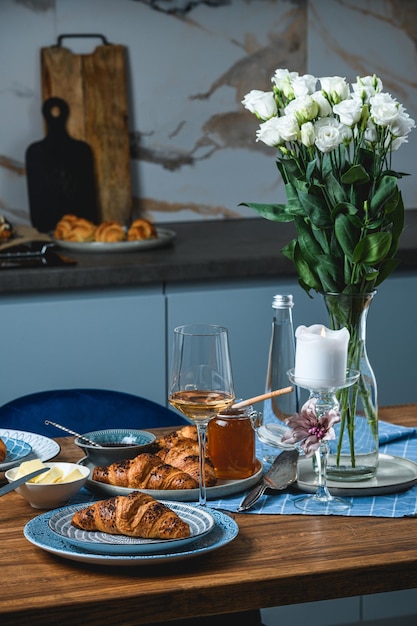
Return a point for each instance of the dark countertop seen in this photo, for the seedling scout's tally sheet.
(214, 250)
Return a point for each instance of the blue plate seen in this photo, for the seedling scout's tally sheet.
(199, 520)
(17, 449)
(39, 533)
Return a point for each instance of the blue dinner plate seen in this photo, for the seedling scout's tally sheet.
(39, 533)
(17, 449)
(199, 520)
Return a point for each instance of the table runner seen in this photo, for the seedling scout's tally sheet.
(395, 440)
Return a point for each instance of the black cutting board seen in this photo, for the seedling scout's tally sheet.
(60, 172)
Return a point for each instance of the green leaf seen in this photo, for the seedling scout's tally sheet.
(385, 190)
(316, 209)
(305, 272)
(330, 272)
(347, 235)
(387, 267)
(273, 212)
(373, 248)
(355, 175)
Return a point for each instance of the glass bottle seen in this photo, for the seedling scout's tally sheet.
(281, 359)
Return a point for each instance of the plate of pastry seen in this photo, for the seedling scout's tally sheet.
(221, 489)
(169, 470)
(39, 533)
(77, 234)
(12, 451)
(187, 522)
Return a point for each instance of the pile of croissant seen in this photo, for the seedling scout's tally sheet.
(3, 451)
(73, 228)
(170, 462)
(134, 515)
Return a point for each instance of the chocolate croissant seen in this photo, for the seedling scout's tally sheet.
(145, 471)
(134, 515)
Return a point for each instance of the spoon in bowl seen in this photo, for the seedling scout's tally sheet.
(72, 432)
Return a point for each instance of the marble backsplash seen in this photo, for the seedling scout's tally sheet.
(192, 145)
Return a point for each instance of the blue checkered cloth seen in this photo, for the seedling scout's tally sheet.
(394, 440)
(397, 441)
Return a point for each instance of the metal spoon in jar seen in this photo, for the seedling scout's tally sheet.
(72, 432)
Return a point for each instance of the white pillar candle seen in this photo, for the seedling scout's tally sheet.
(321, 355)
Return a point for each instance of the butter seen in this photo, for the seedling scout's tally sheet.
(53, 475)
(27, 467)
(75, 474)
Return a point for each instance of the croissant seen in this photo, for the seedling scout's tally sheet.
(81, 230)
(3, 450)
(177, 436)
(145, 471)
(141, 229)
(6, 229)
(135, 515)
(63, 227)
(110, 231)
(185, 457)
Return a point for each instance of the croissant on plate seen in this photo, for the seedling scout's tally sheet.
(188, 432)
(141, 229)
(185, 456)
(134, 515)
(145, 471)
(3, 450)
(110, 232)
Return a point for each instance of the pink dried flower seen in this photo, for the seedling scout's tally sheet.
(308, 429)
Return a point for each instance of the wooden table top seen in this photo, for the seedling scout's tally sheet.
(275, 560)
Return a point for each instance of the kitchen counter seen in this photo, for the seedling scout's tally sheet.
(213, 250)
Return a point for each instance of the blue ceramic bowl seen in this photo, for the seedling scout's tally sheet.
(115, 444)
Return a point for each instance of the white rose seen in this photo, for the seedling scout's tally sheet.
(325, 108)
(402, 125)
(288, 127)
(330, 134)
(283, 79)
(269, 133)
(349, 111)
(261, 103)
(384, 109)
(370, 132)
(305, 109)
(304, 85)
(335, 88)
(367, 86)
(308, 136)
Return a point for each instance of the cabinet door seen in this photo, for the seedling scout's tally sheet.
(111, 340)
(245, 308)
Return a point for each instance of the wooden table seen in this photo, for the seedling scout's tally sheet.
(275, 560)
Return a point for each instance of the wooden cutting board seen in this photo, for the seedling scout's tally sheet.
(95, 89)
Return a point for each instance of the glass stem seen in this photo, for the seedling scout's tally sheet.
(321, 458)
(201, 431)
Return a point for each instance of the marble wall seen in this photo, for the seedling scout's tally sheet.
(192, 145)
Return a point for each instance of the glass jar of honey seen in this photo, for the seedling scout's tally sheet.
(231, 443)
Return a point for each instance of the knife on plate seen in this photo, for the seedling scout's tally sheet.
(283, 472)
(20, 481)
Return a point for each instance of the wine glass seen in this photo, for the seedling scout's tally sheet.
(323, 393)
(201, 382)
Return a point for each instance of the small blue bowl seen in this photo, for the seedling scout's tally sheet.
(115, 444)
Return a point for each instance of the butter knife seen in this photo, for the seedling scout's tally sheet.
(21, 481)
(283, 472)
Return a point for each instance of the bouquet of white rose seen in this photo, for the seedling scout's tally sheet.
(334, 154)
(335, 146)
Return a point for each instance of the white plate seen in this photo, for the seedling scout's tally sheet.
(222, 489)
(38, 532)
(165, 236)
(43, 448)
(394, 474)
(200, 521)
(17, 449)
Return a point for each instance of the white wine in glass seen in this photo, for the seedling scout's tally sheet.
(201, 382)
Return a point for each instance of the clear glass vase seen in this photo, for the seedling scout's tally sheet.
(354, 453)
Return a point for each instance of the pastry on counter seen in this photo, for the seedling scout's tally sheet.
(6, 229)
(141, 229)
(110, 231)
